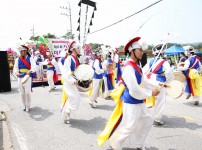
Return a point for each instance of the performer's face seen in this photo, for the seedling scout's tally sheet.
(77, 50)
(23, 53)
(139, 53)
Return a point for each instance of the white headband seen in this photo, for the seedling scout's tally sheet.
(134, 45)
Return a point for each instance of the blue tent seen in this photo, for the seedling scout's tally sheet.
(174, 50)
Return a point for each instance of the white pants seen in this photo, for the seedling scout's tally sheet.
(39, 70)
(106, 92)
(160, 104)
(50, 79)
(95, 91)
(73, 100)
(25, 92)
(136, 122)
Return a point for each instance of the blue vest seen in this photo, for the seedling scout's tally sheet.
(73, 65)
(50, 67)
(38, 60)
(21, 65)
(159, 71)
(191, 60)
(97, 76)
(62, 60)
(126, 97)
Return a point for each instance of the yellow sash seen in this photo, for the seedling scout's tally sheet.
(64, 96)
(49, 66)
(24, 70)
(195, 82)
(115, 116)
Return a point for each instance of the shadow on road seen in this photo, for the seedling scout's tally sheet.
(13, 91)
(147, 148)
(105, 107)
(39, 114)
(192, 104)
(174, 122)
(89, 126)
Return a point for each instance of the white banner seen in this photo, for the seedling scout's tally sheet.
(57, 45)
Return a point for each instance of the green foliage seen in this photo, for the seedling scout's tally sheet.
(68, 35)
(50, 36)
(34, 38)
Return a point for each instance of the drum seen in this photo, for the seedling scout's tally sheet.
(25, 79)
(175, 90)
(84, 86)
(84, 74)
(179, 76)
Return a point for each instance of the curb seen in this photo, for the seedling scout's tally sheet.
(6, 137)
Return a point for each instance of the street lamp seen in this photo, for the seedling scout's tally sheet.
(68, 15)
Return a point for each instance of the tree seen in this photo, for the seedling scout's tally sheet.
(34, 38)
(68, 36)
(50, 36)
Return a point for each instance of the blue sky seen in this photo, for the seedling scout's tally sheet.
(182, 17)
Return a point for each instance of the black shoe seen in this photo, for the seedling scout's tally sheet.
(24, 109)
(196, 102)
(188, 96)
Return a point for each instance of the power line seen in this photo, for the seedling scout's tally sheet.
(127, 17)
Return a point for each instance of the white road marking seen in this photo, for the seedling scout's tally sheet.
(20, 137)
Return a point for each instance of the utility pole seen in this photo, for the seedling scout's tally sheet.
(33, 32)
(68, 14)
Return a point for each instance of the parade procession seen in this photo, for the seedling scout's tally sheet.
(125, 91)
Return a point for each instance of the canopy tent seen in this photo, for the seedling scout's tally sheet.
(174, 50)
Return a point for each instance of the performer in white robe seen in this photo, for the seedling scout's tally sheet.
(193, 64)
(137, 119)
(51, 72)
(71, 62)
(39, 67)
(159, 69)
(97, 78)
(24, 65)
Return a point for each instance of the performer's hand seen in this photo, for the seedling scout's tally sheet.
(75, 82)
(28, 73)
(155, 92)
(175, 67)
(17, 74)
(164, 84)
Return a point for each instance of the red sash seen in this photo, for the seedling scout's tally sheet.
(25, 62)
(194, 64)
(155, 69)
(134, 65)
(76, 60)
(49, 61)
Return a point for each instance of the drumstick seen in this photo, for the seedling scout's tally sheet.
(80, 78)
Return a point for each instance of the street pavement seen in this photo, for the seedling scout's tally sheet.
(43, 129)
